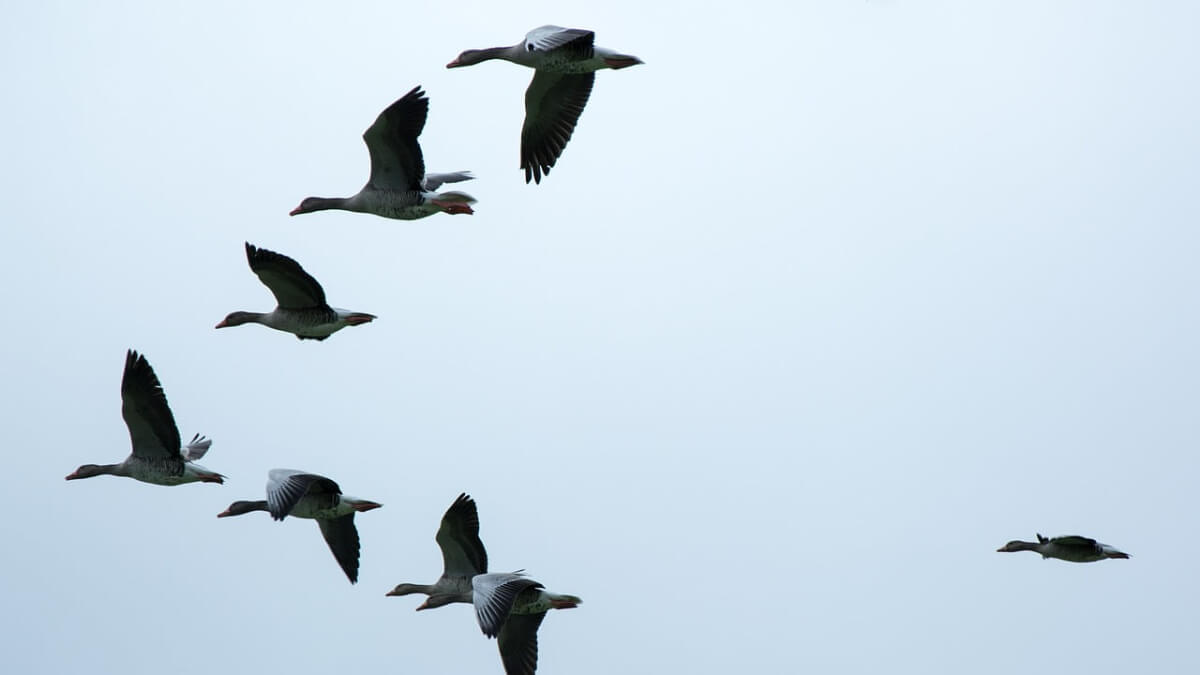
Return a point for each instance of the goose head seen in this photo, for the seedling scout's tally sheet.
(90, 470)
(311, 204)
(238, 318)
(242, 507)
(471, 57)
(1017, 545)
(405, 589)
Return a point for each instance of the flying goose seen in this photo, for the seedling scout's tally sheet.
(301, 309)
(565, 61)
(157, 455)
(1070, 548)
(463, 556)
(511, 607)
(398, 186)
(307, 495)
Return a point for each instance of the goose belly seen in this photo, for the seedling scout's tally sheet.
(157, 473)
(316, 324)
(397, 204)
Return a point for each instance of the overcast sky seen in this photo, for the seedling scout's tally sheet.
(820, 306)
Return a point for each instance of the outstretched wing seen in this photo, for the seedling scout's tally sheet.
(144, 406)
(342, 538)
(553, 104)
(396, 161)
(463, 554)
(518, 643)
(292, 287)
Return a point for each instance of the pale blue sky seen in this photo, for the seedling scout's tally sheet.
(821, 305)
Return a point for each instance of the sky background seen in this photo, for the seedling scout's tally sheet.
(820, 306)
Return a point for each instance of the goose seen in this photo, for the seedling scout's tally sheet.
(308, 495)
(301, 308)
(398, 186)
(463, 556)
(1070, 548)
(158, 457)
(565, 62)
(511, 608)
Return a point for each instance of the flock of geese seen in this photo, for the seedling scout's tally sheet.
(508, 606)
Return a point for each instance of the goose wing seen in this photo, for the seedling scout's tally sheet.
(342, 537)
(396, 160)
(292, 287)
(152, 429)
(518, 643)
(286, 487)
(494, 595)
(196, 448)
(463, 554)
(1073, 540)
(553, 104)
(433, 181)
(573, 41)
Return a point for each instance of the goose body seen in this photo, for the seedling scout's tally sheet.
(463, 557)
(301, 308)
(511, 607)
(307, 495)
(565, 61)
(1070, 548)
(158, 456)
(398, 186)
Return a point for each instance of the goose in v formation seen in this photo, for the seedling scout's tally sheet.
(301, 309)
(565, 61)
(158, 456)
(308, 495)
(398, 186)
(508, 606)
(1070, 548)
(511, 607)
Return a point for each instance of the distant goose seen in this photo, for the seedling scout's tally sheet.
(307, 495)
(1071, 549)
(157, 455)
(565, 61)
(301, 308)
(463, 556)
(398, 186)
(511, 607)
